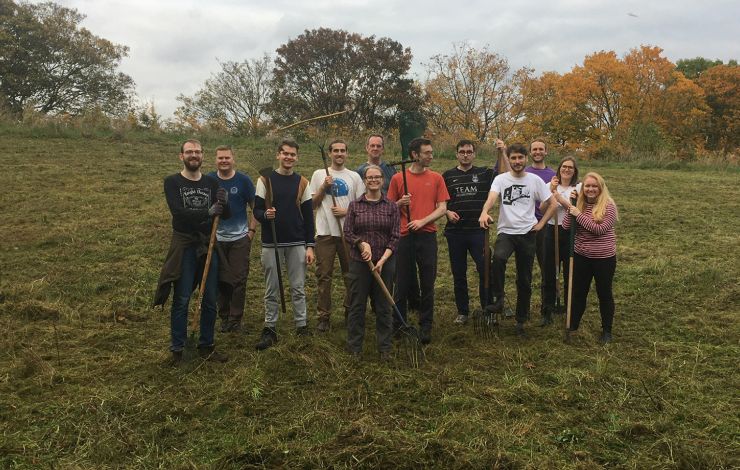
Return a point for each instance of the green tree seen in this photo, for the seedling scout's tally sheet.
(234, 99)
(50, 63)
(324, 71)
(693, 68)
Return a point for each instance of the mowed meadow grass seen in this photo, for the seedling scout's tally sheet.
(83, 380)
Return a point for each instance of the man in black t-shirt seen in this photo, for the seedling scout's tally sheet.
(193, 199)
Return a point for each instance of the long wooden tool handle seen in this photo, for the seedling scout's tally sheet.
(211, 243)
(572, 243)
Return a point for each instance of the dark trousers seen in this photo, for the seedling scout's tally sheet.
(602, 271)
(416, 250)
(362, 284)
(231, 298)
(459, 244)
(563, 240)
(545, 250)
(523, 247)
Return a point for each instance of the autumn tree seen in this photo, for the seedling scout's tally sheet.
(52, 64)
(234, 99)
(324, 71)
(721, 84)
(473, 92)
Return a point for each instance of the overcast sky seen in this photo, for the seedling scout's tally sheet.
(174, 44)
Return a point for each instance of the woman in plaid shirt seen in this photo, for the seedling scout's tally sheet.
(372, 230)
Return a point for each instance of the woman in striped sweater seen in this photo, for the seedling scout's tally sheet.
(595, 257)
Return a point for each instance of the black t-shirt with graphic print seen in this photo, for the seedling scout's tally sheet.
(189, 202)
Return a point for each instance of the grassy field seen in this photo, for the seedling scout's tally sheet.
(83, 381)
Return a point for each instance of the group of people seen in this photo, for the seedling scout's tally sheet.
(381, 224)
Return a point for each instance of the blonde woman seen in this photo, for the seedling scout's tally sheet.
(595, 256)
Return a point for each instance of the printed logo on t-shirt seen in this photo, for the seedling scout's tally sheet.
(339, 188)
(195, 198)
(234, 190)
(515, 192)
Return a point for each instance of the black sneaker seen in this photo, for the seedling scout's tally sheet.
(547, 316)
(606, 337)
(302, 331)
(425, 335)
(267, 339)
(176, 360)
(224, 326)
(520, 330)
(385, 356)
(210, 354)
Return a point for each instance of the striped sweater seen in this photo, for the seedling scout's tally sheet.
(593, 239)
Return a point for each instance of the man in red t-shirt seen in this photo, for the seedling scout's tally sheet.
(424, 201)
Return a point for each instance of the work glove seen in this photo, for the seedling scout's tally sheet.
(216, 209)
(222, 196)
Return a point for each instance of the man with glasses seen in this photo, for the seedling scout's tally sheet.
(468, 186)
(331, 195)
(194, 199)
(421, 206)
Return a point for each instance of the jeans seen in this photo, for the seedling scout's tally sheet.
(192, 268)
(459, 244)
(523, 246)
(327, 247)
(417, 249)
(294, 259)
(602, 271)
(363, 285)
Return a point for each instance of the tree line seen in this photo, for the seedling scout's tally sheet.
(640, 101)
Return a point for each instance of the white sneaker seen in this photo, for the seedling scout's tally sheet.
(461, 320)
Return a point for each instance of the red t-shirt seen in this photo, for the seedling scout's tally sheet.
(426, 189)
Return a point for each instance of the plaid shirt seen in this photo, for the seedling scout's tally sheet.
(375, 222)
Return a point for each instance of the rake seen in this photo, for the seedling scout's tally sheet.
(486, 320)
(411, 342)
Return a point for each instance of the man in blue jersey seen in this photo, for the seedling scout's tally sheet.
(234, 237)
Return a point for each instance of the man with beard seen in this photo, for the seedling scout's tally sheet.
(234, 239)
(331, 196)
(545, 246)
(194, 200)
(517, 228)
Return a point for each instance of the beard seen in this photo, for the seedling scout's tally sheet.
(192, 164)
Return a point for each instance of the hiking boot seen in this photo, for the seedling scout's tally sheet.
(606, 337)
(302, 331)
(176, 360)
(520, 330)
(425, 335)
(546, 317)
(210, 354)
(323, 325)
(267, 339)
(224, 326)
(497, 306)
(461, 320)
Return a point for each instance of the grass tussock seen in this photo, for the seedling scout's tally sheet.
(84, 381)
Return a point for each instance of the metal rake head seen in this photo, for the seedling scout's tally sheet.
(410, 346)
(486, 322)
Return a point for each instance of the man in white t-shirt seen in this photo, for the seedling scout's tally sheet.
(331, 195)
(516, 229)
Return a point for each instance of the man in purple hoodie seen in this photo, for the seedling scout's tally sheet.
(538, 152)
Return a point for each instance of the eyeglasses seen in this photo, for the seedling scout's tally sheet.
(193, 152)
(466, 152)
(372, 178)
